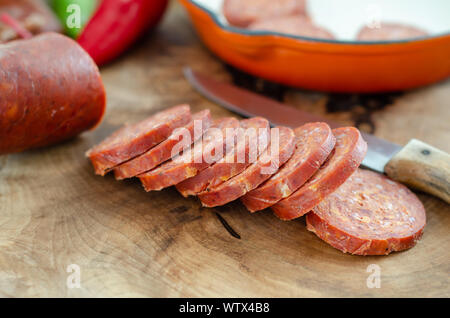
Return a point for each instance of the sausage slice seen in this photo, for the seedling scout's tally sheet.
(203, 154)
(280, 150)
(314, 143)
(163, 152)
(243, 13)
(294, 25)
(132, 141)
(390, 31)
(346, 157)
(252, 139)
(369, 215)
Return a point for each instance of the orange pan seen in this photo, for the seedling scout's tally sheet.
(326, 65)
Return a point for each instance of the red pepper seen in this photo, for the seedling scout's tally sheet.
(117, 24)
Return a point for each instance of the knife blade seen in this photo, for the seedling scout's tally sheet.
(249, 104)
(382, 156)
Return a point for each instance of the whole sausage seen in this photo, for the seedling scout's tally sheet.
(243, 13)
(252, 139)
(34, 15)
(204, 153)
(163, 152)
(293, 25)
(389, 32)
(346, 157)
(369, 215)
(280, 150)
(50, 91)
(133, 140)
(314, 143)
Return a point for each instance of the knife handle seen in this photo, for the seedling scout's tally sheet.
(422, 167)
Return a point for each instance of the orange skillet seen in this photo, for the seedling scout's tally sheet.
(325, 65)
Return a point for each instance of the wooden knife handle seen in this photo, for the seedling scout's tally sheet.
(422, 167)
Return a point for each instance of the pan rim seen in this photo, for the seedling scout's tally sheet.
(245, 32)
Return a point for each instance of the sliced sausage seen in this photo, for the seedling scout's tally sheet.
(293, 25)
(204, 153)
(390, 31)
(314, 143)
(33, 15)
(346, 157)
(369, 215)
(252, 139)
(133, 140)
(163, 151)
(50, 91)
(243, 13)
(280, 150)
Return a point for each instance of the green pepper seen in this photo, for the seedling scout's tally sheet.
(74, 14)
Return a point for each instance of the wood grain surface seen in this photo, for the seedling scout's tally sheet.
(55, 212)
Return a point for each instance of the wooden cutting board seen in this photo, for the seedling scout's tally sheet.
(55, 212)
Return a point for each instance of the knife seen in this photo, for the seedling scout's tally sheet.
(418, 165)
